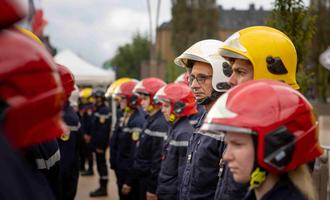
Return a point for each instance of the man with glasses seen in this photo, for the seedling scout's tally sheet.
(208, 76)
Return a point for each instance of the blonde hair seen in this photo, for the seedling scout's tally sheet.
(302, 180)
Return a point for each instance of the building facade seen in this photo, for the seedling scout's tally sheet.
(229, 22)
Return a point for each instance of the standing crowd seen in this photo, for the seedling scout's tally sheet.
(233, 126)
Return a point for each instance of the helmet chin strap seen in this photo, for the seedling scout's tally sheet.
(258, 175)
(150, 108)
(209, 99)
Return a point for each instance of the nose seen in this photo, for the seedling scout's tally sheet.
(233, 79)
(227, 155)
(194, 84)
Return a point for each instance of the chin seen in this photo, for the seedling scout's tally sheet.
(199, 98)
(241, 179)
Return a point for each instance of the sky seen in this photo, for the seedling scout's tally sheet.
(94, 29)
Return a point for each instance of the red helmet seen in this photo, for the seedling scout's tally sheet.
(67, 79)
(126, 90)
(183, 78)
(181, 97)
(149, 86)
(11, 11)
(281, 119)
(31, 93)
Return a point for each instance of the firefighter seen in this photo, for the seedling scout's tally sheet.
(69, 141)
(86, 110)
(148, 157)
(256, 52)
(100, 137)
(178, 102)
(268, 145)
(44, 157)
(208, 78)
(125, 139)
(116, 116)
(31, 98)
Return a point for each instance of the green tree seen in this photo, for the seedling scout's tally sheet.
(321, 41)
(298, 22)
(129, 57)
(193, 20)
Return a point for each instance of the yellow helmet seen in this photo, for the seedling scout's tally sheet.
(270, 51)
(86, 93)
(114, 85)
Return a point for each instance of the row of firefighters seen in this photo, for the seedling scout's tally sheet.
(137, 146)
(219, 132)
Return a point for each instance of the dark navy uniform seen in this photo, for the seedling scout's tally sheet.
(283, 189)
(125, 139)
(86, 149)
(174, 159)
(69, 163)
(200, 176)
(194, 119)
(17, 180)
(45, 158)
(148, 158)
(100, 139)
(113, 140)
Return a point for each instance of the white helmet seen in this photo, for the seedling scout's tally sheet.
(207, 51)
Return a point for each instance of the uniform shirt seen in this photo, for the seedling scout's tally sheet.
(125, 139)
(17, 179)
(194, 119)
(200, 176)
(148, 158)
(101, 125)
(69, 149)
(68, 142)
(174, 159)
(86, 117)
(284, 190)
(45, 158)
(113, 140)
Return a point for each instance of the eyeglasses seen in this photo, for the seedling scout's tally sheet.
(200, 78)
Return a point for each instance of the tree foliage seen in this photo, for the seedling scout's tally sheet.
(129, 57)
(298, 22)
(192, 21)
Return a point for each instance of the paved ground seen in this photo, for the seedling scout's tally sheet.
(89, 183)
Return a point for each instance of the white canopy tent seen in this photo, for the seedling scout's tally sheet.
(84, 72)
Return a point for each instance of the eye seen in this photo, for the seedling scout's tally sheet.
(240, 72)
(236, 143)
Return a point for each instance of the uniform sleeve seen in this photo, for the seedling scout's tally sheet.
(183, 141)
(135, 131)
(114, 149)
(157, 144)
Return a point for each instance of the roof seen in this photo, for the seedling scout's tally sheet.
(84, 72)
(235, 19)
